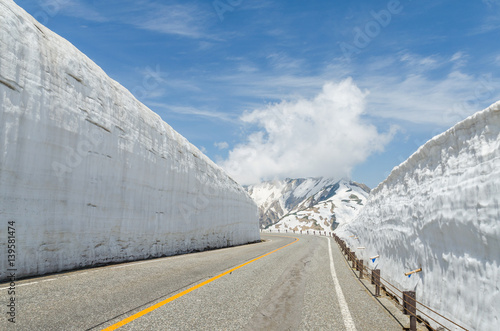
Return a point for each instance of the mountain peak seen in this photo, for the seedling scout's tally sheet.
(307, 203)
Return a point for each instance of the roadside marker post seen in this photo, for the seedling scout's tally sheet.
(376, 281)
(413, 272)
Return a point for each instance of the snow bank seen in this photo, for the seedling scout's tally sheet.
(89, 174)
(439, 210)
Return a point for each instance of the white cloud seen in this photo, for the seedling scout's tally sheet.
(490, 25)
(73, 8)
(457, 56)
(177, 19)
(492, 2)
(417, 99)
(322, 136)
(221, 145)
(459, 59)
(182, 19)
(191, 111)
(497, 60)
(283, 61)
(491, 22)
(430, 90)
(418, 63)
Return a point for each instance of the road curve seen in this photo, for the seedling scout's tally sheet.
(272, 288)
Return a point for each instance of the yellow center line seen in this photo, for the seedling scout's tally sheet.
(191, 289)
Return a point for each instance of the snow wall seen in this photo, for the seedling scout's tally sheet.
(90, 175)
(440, 211)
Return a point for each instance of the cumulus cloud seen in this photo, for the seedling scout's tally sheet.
(323, 136)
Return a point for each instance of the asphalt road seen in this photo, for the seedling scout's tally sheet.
(292, 288)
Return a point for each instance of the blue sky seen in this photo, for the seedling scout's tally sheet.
(275, 89)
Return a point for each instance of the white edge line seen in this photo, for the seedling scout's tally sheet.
(346, 314)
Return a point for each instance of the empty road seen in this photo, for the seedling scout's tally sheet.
(288, 282)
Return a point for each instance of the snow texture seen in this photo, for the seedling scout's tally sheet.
(439, 211)
(89, 174)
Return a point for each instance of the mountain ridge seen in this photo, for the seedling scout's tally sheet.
(308, 203)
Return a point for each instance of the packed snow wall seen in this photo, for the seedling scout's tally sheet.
(90, 175)
(440, 210)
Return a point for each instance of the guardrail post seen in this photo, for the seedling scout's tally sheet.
(376, 280)
(354, 260)
(410, 308)
(360, 268)
(404, 302)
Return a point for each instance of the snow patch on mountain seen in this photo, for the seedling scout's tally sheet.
(439, 211)
(328, 212)
(307, 203)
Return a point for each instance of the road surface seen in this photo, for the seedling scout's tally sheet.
(288, 282)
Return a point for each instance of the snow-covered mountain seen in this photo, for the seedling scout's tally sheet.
(307, 203)
(440, 211)
(90, 175)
